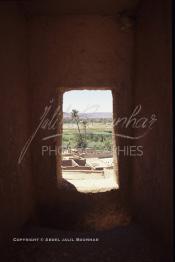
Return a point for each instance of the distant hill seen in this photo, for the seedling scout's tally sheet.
(90, 115)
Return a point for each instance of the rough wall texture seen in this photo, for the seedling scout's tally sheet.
(16, 203)
(152, 178)
(83, 52)
(75, 52)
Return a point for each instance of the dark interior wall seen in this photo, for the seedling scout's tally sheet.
(75, 51)
(152, 178)
(16, 192)
(94, 52)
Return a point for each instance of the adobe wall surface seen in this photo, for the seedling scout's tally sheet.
(152, 178)
(75, 52)
(45, 56)
(16, 190)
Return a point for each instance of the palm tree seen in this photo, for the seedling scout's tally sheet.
(75, 117)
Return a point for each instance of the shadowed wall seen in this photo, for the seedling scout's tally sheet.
(152, 177)
(76, 52)
(43, 56)
(16, 184)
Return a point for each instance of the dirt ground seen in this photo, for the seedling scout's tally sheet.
(96, 182)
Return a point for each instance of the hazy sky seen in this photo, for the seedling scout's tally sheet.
(87, 101)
